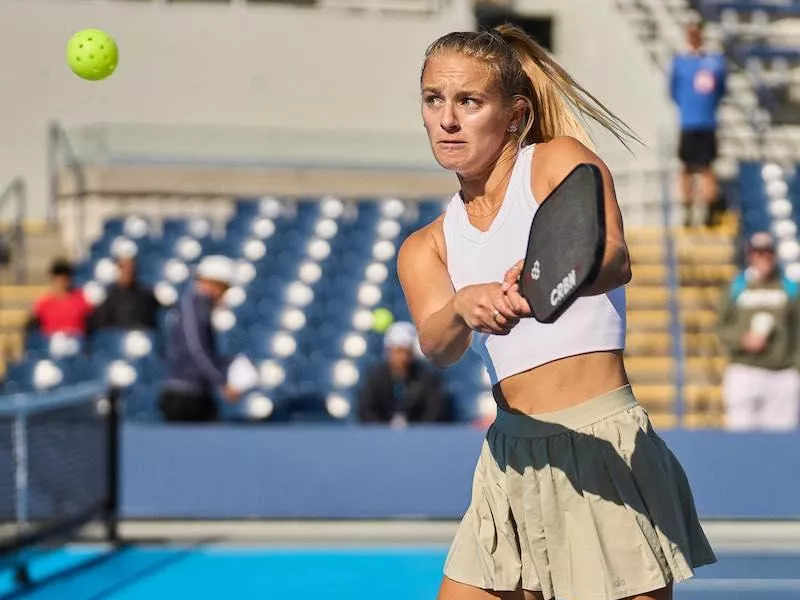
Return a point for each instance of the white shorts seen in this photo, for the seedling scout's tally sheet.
(758, 398)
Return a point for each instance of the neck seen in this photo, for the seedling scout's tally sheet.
(483, 192)
(399, 372)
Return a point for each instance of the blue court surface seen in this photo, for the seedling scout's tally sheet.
(390, 573)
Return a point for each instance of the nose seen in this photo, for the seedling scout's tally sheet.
(448, 121)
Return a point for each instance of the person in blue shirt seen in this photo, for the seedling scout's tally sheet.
(697, 85)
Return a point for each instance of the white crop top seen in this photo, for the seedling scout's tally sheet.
(592, 323)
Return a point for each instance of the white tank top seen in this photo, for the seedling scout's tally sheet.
(592, 323)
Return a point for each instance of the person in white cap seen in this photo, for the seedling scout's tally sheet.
(758, 327)
(402, 389)
(194, 368)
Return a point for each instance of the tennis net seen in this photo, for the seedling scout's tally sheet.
(58, 469)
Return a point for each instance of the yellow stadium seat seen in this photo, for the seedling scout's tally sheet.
(699, 296)
(648, 343)
(662, 395)
(647, 253)
(699, 319)
(648, 320)
(13, 317)
(662, 420)
(21, 294)
(649, 274)
(706, 274)
(647, 297)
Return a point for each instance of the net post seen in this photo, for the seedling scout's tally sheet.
(21, 471)
(112, 498)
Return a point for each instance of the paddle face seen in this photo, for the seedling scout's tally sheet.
(565, 244)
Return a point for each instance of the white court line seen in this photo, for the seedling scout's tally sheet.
(740, 584)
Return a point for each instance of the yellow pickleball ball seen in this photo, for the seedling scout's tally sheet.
(92, 54)
(382, 318)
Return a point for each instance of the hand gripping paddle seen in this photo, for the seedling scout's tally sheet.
(565, 245)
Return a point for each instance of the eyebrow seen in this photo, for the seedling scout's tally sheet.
(475, 93)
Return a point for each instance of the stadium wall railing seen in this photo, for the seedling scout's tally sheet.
(318, 472)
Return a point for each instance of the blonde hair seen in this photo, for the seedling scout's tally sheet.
(525, 71)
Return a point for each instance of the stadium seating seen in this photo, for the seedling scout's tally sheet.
(310, 273)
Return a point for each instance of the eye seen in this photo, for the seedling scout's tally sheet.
(470, 102)
(430, 99)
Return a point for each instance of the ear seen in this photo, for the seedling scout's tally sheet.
(521, 112)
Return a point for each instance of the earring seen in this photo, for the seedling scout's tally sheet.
(513, 128)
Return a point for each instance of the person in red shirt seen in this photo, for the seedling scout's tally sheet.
(63, 309)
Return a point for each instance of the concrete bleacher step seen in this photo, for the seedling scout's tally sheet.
(43, 243)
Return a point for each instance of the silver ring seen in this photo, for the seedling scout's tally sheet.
(495, 313)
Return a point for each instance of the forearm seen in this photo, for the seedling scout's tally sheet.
(444, 336)
(614, 272)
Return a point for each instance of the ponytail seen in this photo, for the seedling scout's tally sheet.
(558, 99)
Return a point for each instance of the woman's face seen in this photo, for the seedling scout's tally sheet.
(465, 113)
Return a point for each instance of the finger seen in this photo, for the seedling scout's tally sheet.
(483, 322)
(512, 275)
(515, 300)
(504, 305)
(505, 323)
(518, 301)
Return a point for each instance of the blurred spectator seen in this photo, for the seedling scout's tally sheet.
(194, 368)
(402, 389)
(128, 304)
(63, 309)
(697, 85)
(758, 325)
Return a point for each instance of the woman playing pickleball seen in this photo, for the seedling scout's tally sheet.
(575, 495)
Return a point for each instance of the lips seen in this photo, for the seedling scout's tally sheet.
(451, 143)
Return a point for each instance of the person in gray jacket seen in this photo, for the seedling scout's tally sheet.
(194, 367)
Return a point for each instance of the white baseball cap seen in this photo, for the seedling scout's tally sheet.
(401, 334)
(216, 268)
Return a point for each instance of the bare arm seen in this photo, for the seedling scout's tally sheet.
(552, 163)
(443, 334)
(443, 317)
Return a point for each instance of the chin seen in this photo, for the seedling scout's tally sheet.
(450, 163)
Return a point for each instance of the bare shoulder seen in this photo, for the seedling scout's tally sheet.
(426, 242)
(554, 160)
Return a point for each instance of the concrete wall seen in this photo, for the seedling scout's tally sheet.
(269, 66)
(229, 472)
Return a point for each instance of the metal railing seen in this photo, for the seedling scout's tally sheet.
(62, 159)
(12, 234)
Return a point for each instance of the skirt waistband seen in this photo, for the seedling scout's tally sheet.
(572, 418)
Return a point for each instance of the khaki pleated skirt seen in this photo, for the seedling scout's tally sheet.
(581, 504)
